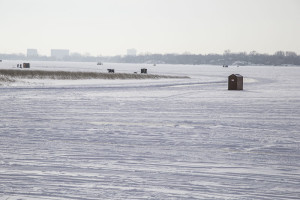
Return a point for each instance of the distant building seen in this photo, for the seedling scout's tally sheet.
(59, 53)
(131, 52)
(32, 53)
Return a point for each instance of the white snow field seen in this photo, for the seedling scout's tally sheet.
(151, 139)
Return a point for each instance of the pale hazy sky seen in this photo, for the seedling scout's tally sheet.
(110, 27)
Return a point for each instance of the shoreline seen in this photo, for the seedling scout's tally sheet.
(10, 75)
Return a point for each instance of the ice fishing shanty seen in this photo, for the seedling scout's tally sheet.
(235, 82)
(26, 65)
(143, 71)
(111, 70)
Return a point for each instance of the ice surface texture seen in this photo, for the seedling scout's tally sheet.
(154, 139)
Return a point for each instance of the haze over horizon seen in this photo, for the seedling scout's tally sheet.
(110, 27)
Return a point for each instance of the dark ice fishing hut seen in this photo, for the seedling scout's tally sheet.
(235, 82)
(143, 71)
(26, 65)
(111, 70)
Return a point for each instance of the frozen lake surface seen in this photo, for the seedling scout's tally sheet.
(151, 139)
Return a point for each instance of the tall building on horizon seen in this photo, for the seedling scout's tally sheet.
(59, 53)
(131, 52)
(32, 53)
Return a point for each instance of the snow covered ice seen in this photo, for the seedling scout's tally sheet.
(151, 139)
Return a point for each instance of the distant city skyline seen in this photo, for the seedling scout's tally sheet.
(60, 53)
(111, 27)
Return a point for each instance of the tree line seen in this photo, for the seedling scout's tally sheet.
(227, 58)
